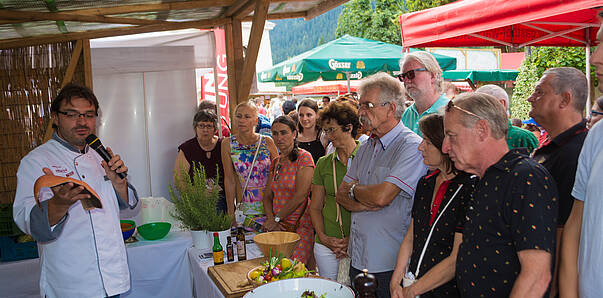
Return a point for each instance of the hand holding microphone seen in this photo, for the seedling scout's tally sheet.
(114, 163)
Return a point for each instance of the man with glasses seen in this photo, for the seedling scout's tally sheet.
(557, 104)
(379, 185)
(422, 78)
(509, 236)
(580, 272)
(82, 251)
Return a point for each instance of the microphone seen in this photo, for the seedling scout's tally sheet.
(96, 144)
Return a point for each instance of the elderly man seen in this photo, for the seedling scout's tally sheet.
(422, 78)
(557, 104)
(510, 233)
(82, 251)
(516, 137)
(380, 183)
(582, 245)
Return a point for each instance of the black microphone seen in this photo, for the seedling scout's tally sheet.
(96, 144)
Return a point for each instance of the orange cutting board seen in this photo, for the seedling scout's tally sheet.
(231, 278)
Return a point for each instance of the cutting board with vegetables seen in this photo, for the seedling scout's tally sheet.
(231, 278)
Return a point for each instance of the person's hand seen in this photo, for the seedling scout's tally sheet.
(338, 246)
(396, 290)
(114, 166)
(343, 192)
(67, 194)
(270, 225)
(409, 292)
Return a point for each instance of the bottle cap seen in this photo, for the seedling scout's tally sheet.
(215, 234)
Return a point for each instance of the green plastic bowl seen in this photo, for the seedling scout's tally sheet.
(154, 230)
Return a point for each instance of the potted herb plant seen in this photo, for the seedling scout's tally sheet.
(195, 203)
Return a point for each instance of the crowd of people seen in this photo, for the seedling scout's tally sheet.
(440, 198)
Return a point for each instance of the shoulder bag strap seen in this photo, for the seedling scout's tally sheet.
(253, 163)
(431, 231)
(339, 219)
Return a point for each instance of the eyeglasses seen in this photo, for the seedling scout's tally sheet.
(370, 105)
(451, 105)
(205, 126)
(277, 172)
(72, 115)
(595, 113)
(331, 130)
(409, 74)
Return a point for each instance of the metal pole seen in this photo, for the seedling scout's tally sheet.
(587, 50)
(347, 75)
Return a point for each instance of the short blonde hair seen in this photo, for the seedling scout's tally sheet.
(429, 62)
(249, 104)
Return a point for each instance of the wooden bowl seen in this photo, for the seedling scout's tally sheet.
(252, 281)
(273, 243)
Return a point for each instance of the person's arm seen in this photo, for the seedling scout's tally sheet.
(376, 195)
(343, 198)
(535, 274)
(270, 224)
(439, 274)
(271, 147)
(404, 254)
(568, 268)
(181, 165)
(229, 179)
(112, 168)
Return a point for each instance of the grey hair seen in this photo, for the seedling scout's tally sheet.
(496, 91)
(487, 108)
(429, 62)
(572, 80)
(390, 91)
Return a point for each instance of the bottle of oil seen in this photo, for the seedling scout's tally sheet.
(217, 250)
(229, 250)
(241, 249)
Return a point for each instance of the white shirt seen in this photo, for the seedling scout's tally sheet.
(588, 188)
(87, 258)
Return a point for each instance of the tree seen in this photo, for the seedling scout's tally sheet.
(539, 60)
(378, 19)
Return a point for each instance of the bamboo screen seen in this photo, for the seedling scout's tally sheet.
(29, 78)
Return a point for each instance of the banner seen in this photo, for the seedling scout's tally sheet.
(207, 80)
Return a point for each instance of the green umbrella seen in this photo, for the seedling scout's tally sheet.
(345, 58)
(489, 75)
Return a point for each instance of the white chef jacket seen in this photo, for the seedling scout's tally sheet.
(84, 254)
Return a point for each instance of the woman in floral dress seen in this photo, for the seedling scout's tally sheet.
(286, 197)
(239, 152)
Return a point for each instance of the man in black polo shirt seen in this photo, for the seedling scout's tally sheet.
(557, 104)
(509, 237)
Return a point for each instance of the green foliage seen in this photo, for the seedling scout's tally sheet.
(541, 59)
(378, 19)
(195, 203)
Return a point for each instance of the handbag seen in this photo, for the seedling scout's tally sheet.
(409, 278)
(343, 270)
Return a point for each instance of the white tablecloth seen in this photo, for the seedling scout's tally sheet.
(158, 268)
(204, 285)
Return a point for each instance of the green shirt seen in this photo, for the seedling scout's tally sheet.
(323, 176)
(411, 116)
(518, 137)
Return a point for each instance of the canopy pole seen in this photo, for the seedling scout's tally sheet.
(347, 75)
(587, 52)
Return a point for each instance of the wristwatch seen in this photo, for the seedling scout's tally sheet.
(277, 219)
(351, 193)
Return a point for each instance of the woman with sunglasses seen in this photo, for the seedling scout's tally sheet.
(596, 114)
(437, 219)
(203, 151)
(286, 197)
(340, 122)
(310, 135)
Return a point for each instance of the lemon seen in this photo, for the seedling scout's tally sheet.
(255, 274)
(285, 263)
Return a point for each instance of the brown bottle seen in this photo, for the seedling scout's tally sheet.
(365, 284)
(241, 249)
(229, 250)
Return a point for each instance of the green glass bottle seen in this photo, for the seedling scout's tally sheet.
(218, 252)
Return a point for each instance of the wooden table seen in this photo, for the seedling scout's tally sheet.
(231, 278)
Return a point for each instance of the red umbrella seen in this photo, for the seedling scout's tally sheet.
(326, 87)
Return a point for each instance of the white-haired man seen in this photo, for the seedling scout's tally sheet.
(516, 137)
(422, 78)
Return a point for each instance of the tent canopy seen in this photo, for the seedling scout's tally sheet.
(514, 23)
(491, 75)
(335, 60)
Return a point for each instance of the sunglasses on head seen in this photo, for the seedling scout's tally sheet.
(409, 74)
(451, 105)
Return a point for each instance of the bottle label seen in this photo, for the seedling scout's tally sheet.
(218, 257)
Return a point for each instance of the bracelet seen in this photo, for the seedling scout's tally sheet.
(351, 193)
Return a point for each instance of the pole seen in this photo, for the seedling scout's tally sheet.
(347, 75)
(587, 50)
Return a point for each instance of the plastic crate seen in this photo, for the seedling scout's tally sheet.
(7, 224)
(10, 250)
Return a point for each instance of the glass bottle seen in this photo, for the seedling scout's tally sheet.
(241, 249)
(229, 250)
(217, 250)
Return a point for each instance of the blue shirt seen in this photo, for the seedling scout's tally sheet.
(411, 116)
(376, 236)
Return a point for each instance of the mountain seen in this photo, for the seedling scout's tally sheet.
(292, 37)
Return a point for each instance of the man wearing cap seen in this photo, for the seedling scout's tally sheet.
(516, 137)
(422, 78)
